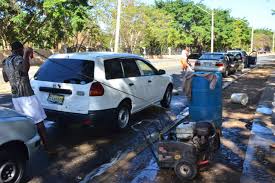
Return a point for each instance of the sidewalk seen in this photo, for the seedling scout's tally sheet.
(259, 164)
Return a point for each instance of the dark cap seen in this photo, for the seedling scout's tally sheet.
(16, 46)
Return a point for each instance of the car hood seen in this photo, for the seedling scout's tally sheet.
(9, 113)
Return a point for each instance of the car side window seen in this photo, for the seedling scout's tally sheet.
(146, 68)
(130, 68)
(113, 69)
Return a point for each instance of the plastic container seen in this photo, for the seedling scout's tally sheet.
(240, 98)
(206, 104)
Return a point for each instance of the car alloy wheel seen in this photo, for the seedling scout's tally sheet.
(7, 172)
(123, 116)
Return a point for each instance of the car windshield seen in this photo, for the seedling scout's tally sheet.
(66, 71)
(211, 57)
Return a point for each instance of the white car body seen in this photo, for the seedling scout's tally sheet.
(145, 91)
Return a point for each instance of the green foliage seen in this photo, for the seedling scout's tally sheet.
(49, 23)
(194, 26)
(263, 39)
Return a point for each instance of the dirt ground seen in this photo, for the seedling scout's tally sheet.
(227, 165)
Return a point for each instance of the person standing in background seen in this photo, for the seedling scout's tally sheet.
(185, 65)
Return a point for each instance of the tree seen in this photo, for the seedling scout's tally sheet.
(263, 39)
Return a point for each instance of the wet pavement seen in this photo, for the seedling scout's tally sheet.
(82, 149)
(227, 165)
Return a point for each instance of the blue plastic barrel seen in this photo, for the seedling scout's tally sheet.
(206, 104)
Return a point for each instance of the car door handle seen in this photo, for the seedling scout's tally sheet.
(131, 84)
(149, 81)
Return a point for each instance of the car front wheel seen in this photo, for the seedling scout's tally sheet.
(12, 167)
(165, 102)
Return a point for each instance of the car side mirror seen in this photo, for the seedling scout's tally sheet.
(161, 72)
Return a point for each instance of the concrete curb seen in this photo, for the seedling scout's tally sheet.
(260, 158)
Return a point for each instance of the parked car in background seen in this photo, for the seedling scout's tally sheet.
(217, 62)
(93, 88)
(261, 51)
(242, 54)
(193, 57)
(247, 59)
(18, 142)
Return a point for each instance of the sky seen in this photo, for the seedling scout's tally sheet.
(257, 12)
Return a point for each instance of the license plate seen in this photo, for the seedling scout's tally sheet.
(56, 99)
(208, 64)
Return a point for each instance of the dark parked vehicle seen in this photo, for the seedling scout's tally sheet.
(193, 57)
(217, 62)
(247, 60)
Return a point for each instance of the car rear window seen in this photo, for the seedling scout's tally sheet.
(234, 52)
(194, 56)
(66, 71)
(211, 57)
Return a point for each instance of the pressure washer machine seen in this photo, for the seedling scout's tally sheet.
(185, 147)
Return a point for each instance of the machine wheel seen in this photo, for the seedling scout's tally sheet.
(12, 167)
(217, 142)
(185, 170)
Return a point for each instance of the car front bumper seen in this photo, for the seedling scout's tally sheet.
(97, 118)
(33, 145)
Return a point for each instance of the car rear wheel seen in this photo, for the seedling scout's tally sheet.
(241, 67)
(225, 74)
(12, 167)
(165, 102)
(123, 115)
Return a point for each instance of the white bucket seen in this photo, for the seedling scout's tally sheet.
(240, 98)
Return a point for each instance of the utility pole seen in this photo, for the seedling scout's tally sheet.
(212, 26)
(252, 40)
(117, 25)
(212, 33)
(273, 41)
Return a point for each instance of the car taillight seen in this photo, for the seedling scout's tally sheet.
(219, 64)
(96, 89)
(197, 63)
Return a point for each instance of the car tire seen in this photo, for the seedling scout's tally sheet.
(166, 100)
(225, 74)
(12, 167)
(123, 114)
(186, 170)
(241, 68)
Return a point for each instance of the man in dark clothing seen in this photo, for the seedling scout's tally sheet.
(15, 70)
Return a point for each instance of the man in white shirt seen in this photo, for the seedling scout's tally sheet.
(185, 65)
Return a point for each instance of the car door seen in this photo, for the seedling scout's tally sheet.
(155, 86)
(135, 83)
(120, 87)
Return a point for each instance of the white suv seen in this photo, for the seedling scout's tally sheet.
(93, 88)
